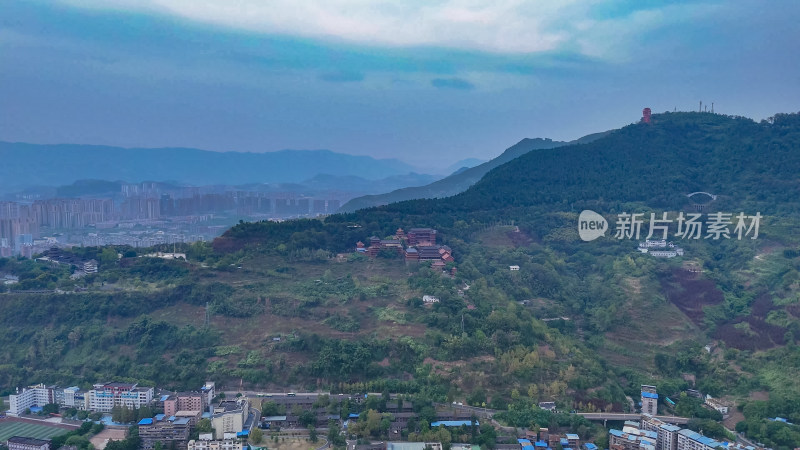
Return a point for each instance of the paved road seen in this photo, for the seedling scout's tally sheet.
(632, 416)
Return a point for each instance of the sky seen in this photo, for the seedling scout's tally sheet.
(429, 82)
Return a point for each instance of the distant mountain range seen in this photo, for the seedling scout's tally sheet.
(461, 179)
(25, 165)
(462, 165)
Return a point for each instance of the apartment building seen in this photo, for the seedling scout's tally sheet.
(104, 396)
(165, 431)
(32, 396)
(185, 401)
(691, 440)
(649, 400)
(230, 417)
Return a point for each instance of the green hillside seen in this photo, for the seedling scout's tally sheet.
(580, 323)
(461, 180)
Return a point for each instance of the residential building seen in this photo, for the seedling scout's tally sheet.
(185, 401)
(691, 440)
(413, 445)
(649, 400)
(550, 406)
(104, 396)
(165, 431)
(720, 405)
(90, 267)
(228, 444)
(573, 440)
(26, 443)
(32, 396)
(633, 440)
(230, 417)
(667, 437)
(73, 397)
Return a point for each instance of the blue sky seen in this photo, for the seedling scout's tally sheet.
(429, 82)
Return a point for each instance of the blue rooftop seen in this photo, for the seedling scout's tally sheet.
(780, 419)
(160, 417)
(164, 398)
(590, 446)
(617, 433)
(353, 416)
(184, 421)
(455, 423)
(243, 433)
(527, 447)
(564, 442)
(524, 441)
(146, 422)
(649, 395)
(206, 415)
(540, 444)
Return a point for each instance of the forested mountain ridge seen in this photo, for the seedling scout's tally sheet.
(460, 180)
(580, 323)
(657, 163)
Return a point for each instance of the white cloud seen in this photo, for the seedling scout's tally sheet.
(504, 26)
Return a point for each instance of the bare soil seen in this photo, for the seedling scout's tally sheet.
(690, 293)
(101, 439)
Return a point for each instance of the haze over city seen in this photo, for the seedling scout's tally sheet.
(426, 82)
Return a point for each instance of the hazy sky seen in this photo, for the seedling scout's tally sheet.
(429, 81)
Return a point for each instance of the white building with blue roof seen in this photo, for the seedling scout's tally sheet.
(692, 440)
(649, 400)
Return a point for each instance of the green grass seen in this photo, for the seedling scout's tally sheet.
(31, 430)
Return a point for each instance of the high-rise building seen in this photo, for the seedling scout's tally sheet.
(649, 400)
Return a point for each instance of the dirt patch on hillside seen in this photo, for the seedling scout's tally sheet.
(753, 332)
(750, 333)
(691, 293)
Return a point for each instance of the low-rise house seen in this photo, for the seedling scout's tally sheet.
(720, 405)
(550, 406)
(26, 443)
(229, 444)
(573, 440)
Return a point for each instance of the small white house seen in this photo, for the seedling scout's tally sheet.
(430, 299)
(513, 268)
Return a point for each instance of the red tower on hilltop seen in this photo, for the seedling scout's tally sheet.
(646, 115)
